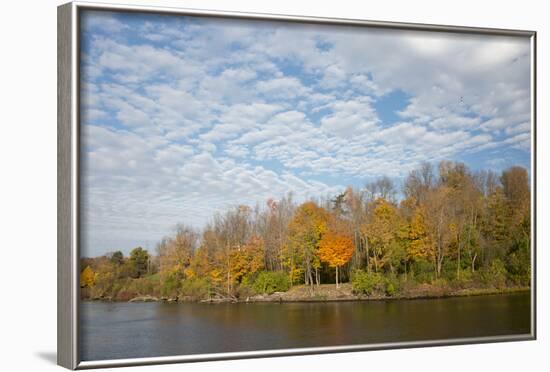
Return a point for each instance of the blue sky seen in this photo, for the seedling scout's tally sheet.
(184, 117)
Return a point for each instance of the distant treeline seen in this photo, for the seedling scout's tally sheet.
(449, 227)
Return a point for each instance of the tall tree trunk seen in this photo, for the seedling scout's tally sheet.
(472, 226)
(375, 259)
(368, 258)
(291, 274)
(306, 271)
(434, 259)
(317, 276)
(439, 259)
(228, 272)
(336, 276)
(458, 258)
(281, 263)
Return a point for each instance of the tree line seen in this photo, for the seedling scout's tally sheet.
(447, 225)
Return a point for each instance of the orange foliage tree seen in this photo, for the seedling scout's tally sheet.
(336, 250)
(248, 259)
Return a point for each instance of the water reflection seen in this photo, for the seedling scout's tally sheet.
(131, 330)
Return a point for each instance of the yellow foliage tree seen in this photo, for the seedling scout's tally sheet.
(382, 229)
(175, 253)
(199, 266)
(305, 231)
(87, 277)
(336, 250)
(419, 246)
(248, 259)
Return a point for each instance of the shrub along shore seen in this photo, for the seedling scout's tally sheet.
(329, 293)
(274, 287)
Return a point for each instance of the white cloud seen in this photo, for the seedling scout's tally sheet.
(519, 128)
(194, 116)
(350, 118)
(282, 88)
(520, 141)
(102, 22)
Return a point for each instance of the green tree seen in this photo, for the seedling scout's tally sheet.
(139, 262)
(117, 258)
(268, 282)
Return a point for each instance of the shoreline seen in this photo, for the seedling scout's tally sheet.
(286, 297)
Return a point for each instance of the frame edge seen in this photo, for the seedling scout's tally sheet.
(534, 185)
(68, 172)
(66, 278)
(294, 18)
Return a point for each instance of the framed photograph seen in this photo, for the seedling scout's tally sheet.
(235, 185)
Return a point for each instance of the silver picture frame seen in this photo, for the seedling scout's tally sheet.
(68, 180)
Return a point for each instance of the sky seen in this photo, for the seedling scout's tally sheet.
(184, 117)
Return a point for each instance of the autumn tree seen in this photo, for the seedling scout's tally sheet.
(199, 266)
(437, 221)
(356, 213)
(382, 227)
(420, 244)
(105, 277)
(464, 204)
(495, 228)
(87, 277)
(305, 231)
(248, 259)
(419, 182)
(446, 220)
(273, 228)
(515, 183)
(382, 188)
(336, 250)
(175, 254)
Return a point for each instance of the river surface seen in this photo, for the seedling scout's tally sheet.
(134, 330)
